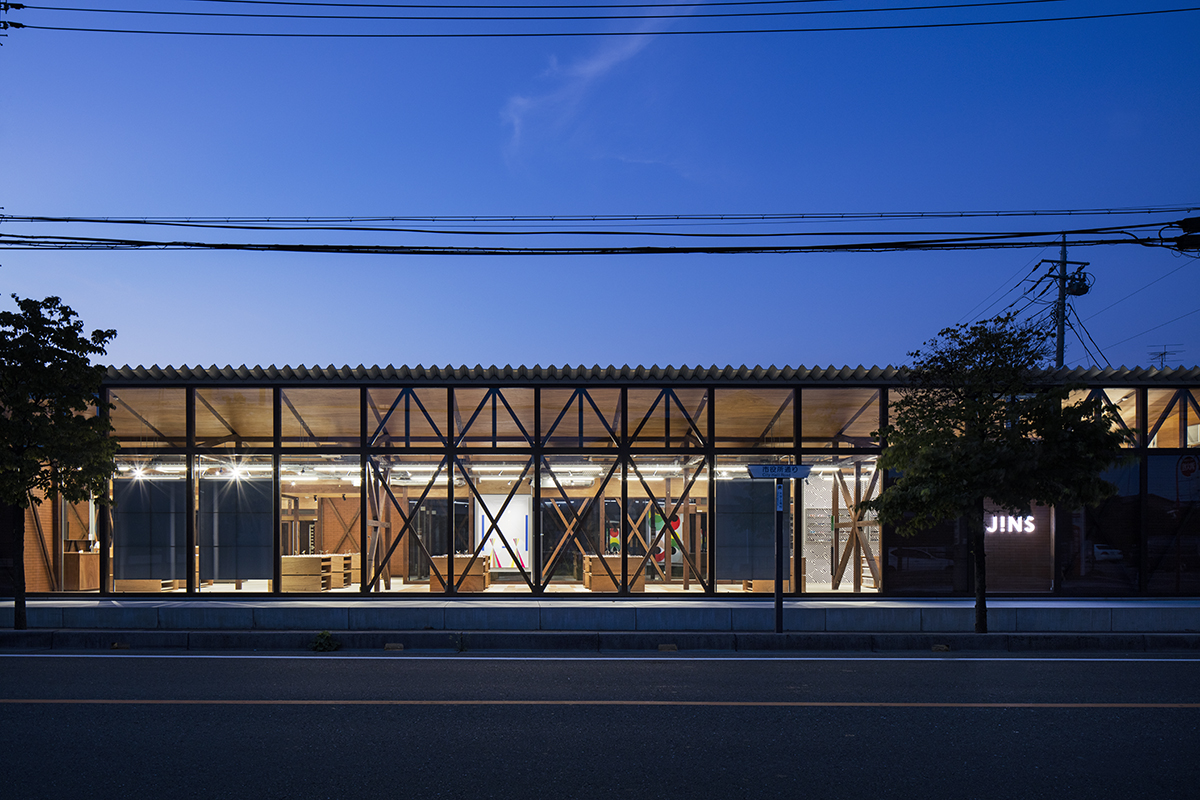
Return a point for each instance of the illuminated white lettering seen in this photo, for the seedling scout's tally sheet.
(1003, 523)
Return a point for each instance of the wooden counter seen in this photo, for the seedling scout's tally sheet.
(597, 580)
(477, 580)
(81, 571)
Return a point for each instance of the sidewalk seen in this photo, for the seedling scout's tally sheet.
(1135, 625)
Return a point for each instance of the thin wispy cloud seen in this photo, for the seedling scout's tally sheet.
(554, 108)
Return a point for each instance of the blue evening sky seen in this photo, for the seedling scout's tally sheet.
(1082, 114)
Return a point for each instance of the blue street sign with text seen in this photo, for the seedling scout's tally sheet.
(790, 471)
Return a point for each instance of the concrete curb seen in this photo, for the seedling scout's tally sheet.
(589, 641)
(717, 616)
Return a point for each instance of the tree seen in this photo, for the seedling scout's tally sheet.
(975, 420)
(50, 446)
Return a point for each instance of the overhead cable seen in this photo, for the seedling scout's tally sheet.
(1156, 327)
(534, 18)
(596, 33)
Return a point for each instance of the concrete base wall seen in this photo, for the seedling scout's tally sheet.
(801, 616)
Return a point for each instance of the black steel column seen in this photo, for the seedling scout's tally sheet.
(364, 476)
(451, 460)
(797, 500)
(1143, 440)
(189, 538)
(623, 454)
(104, 520)
(711, 455)
(276, 488)
(537, 490)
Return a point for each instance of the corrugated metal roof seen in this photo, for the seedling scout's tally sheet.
(1123, 376)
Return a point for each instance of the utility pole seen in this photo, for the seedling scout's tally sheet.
(1061, 308)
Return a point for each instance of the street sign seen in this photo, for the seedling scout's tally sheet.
(779, 473)
(785, 471)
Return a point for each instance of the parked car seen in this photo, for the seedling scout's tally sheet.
(1106, 552)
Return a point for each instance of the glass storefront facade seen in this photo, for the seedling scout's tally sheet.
(568, 482)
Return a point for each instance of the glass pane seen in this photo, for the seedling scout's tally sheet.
(149, 524)
(499, 536)
(668, 540)
(936, 560)
(1174, 418)
(234, 525)
(493, 417)
(319, 522)
(745, 526)
(581, 419)
(841, 547)
(1099, 554)
(1173, 524)
(754, 417)
(839, 417)
(1123, 400)
(320, 417)
(80, 546)
(674, 418)
(149, 417)
(407, 507)
(235, 418)
(406, 418)
(575, 493)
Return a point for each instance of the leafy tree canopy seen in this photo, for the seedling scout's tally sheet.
(976, 419)
(51, 438)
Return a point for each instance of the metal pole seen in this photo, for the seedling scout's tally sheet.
(1061, 309)
(277, 489)
(364, 475)
(779, 555)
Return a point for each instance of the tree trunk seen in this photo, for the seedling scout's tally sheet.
(18, 534)
(975, 526)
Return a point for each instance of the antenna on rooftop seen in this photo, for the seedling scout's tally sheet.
(1162, 352)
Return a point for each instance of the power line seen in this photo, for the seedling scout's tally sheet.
(533, 18)
(1124, 231)
(1156, 327)
(575, 33)
(1071, 310)
(721, 218)
(1131, 294)
(19, 242)
(507, 7)
(1001, 286)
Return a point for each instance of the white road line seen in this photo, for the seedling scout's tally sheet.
(682, 656)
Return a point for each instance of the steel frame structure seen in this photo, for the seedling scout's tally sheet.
(447, 420)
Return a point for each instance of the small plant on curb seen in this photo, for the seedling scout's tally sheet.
(324, 642)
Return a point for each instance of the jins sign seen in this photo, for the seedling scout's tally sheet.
(1009, 524)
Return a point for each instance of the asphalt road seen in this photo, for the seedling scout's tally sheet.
(675, 725)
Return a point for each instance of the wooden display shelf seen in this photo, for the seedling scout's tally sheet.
(152, 585)
(81, 571)
(597, 580)
(319, 573)
(477, 580)
(305, 573)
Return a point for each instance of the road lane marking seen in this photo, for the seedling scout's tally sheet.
(410, 655)
(499, 702)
